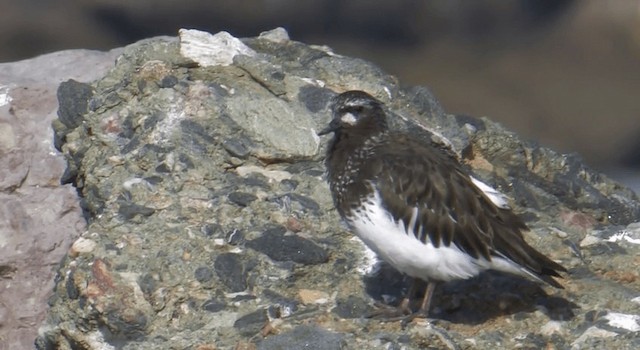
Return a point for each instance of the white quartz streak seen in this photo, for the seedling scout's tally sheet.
(208, 50)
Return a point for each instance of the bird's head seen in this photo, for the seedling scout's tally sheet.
(356, 111)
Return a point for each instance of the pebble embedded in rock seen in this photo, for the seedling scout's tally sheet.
(169, 81)
(82, 246)
(203, 274)
(251, 324)
(289, 184)
(235, 237)
(211, 229)
(70, 287)
(280, 247)
(257, 180)
(129, 210)
(305, 203)
(304, 337)
(351, 307)
(286, 305)
(236, 148)
(147, 283)
(74, 98)
(231, 271)
(213, 305)
(242, 199)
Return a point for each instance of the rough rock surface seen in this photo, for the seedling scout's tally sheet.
(211, 226)
(39, 218)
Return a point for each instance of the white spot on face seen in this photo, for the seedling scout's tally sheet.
(349, 118)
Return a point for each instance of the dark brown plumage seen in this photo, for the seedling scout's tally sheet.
(425, 194)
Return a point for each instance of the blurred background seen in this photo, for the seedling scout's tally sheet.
(563, 72)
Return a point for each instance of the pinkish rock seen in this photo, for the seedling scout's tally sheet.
(39, 218)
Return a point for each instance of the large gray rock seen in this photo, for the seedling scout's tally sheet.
(211, 226)
(39, 218)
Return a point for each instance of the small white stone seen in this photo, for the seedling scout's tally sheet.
(589, 241)
(624, 235)
(558, 232)
(470, 128)
(277, 35)
(82, 246)
(211, 50)
(551, 327)
(624, 321)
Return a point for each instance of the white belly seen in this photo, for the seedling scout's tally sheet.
(405, 252)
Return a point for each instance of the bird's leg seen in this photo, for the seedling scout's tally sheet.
(405, 304)
(424, 307)
(426, 300)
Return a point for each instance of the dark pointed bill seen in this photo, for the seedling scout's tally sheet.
(333, 126)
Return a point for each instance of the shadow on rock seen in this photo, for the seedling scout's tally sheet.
(476, 300)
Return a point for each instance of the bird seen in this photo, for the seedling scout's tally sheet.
(413, 204)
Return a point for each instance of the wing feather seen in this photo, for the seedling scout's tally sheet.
(451, 208)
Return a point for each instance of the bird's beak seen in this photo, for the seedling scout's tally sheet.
(333, 126)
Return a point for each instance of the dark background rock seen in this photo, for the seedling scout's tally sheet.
(183, 280)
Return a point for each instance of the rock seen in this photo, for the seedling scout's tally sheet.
(39, 218)
(231, 271)
(203, 190)
(303, 337)
(280, 247)
(352, 307)
(81, 246)
(203, 274)
(242, 198)
(251, 324)
(211, 50)
(214, 305)
(310, 296)
(589, 335)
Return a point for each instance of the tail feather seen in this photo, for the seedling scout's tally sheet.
(542, 269)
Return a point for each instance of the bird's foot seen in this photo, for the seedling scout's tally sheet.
(388, 313)
(409, 318)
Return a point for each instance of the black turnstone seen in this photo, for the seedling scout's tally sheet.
(414, 205)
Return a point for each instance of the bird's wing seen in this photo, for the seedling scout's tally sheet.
(436, 200)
